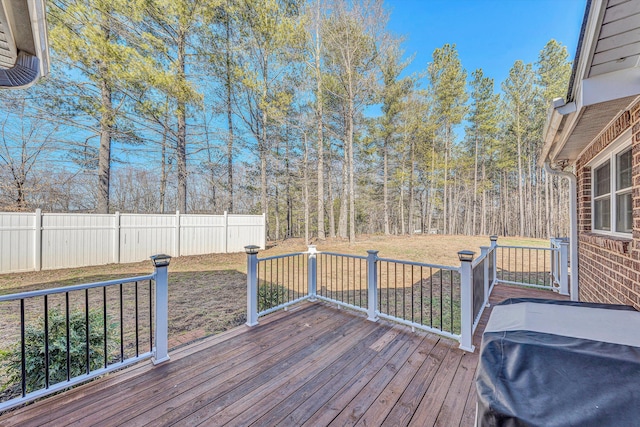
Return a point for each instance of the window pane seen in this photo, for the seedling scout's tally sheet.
(624, 170)
(624, 214)
(602, 214)
(603, 180)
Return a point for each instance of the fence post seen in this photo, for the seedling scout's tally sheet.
(372, 285)
(252, 284)
(466, 300)
(264, 230)
(116, 238)
(177, 235)
(37, 237)
(226, 232)
(494, 254)
(312, 273)
(564, 268)
(484, 250)
(161, 264)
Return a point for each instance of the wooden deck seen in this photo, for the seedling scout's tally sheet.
(313, 365)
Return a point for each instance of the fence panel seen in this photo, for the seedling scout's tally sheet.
(75, 240)
(145, 235)
(243, 230)
(17, 242)
(35, 241)
(202, 234)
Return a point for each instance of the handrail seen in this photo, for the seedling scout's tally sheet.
(60, 290)
(421, 264)
(342, 255)
(268, 258)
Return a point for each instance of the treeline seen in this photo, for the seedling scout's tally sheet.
(300, 109)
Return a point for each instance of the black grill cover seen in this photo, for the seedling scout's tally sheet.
(533, 378)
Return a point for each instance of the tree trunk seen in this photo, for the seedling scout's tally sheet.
(483, 217)
(332, 212)
(520, 177)
(385, 185)
(342, 221)
(352, 196)
(319, 118)
(306, 190)
(104, 153)
(412, 189)
(475, 189)
(228, 106)
(431, 189)
(181, 148)
(446, 179)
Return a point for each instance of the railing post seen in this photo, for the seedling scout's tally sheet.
(466, 300)
(312, 270)
(564, 268)
(252, 284)
(372, 285)
(483, 254)
(161, 264)
(494, 254)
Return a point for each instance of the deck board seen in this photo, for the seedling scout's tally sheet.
(313, 365)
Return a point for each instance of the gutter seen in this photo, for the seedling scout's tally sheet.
(573, 211)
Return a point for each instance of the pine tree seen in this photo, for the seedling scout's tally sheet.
(448, 81)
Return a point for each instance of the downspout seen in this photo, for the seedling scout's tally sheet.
(573, 240)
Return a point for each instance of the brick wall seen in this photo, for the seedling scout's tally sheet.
(609, 266)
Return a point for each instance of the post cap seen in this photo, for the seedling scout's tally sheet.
(251, 249)
(372, 252)
(466, 256)
(161, 260)
(493, 238)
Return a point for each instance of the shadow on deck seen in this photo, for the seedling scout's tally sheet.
(312, 365)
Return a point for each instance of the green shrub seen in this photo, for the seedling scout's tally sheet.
(270, 296)
(34, 348)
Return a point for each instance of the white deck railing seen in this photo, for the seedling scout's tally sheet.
(446, 300)
(114, 324)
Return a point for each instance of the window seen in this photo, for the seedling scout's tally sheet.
(612, 200)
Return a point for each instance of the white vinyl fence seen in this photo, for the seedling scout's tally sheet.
(37, 241)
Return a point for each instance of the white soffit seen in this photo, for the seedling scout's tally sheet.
(607, 79)
(591, 121)
(24, 48)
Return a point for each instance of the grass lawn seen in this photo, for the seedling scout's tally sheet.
(207, 293)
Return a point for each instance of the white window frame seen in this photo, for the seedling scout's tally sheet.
(619, 146)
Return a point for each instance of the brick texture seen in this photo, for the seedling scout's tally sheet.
(609, 266)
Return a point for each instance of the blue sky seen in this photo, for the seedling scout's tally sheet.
(489, 34)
